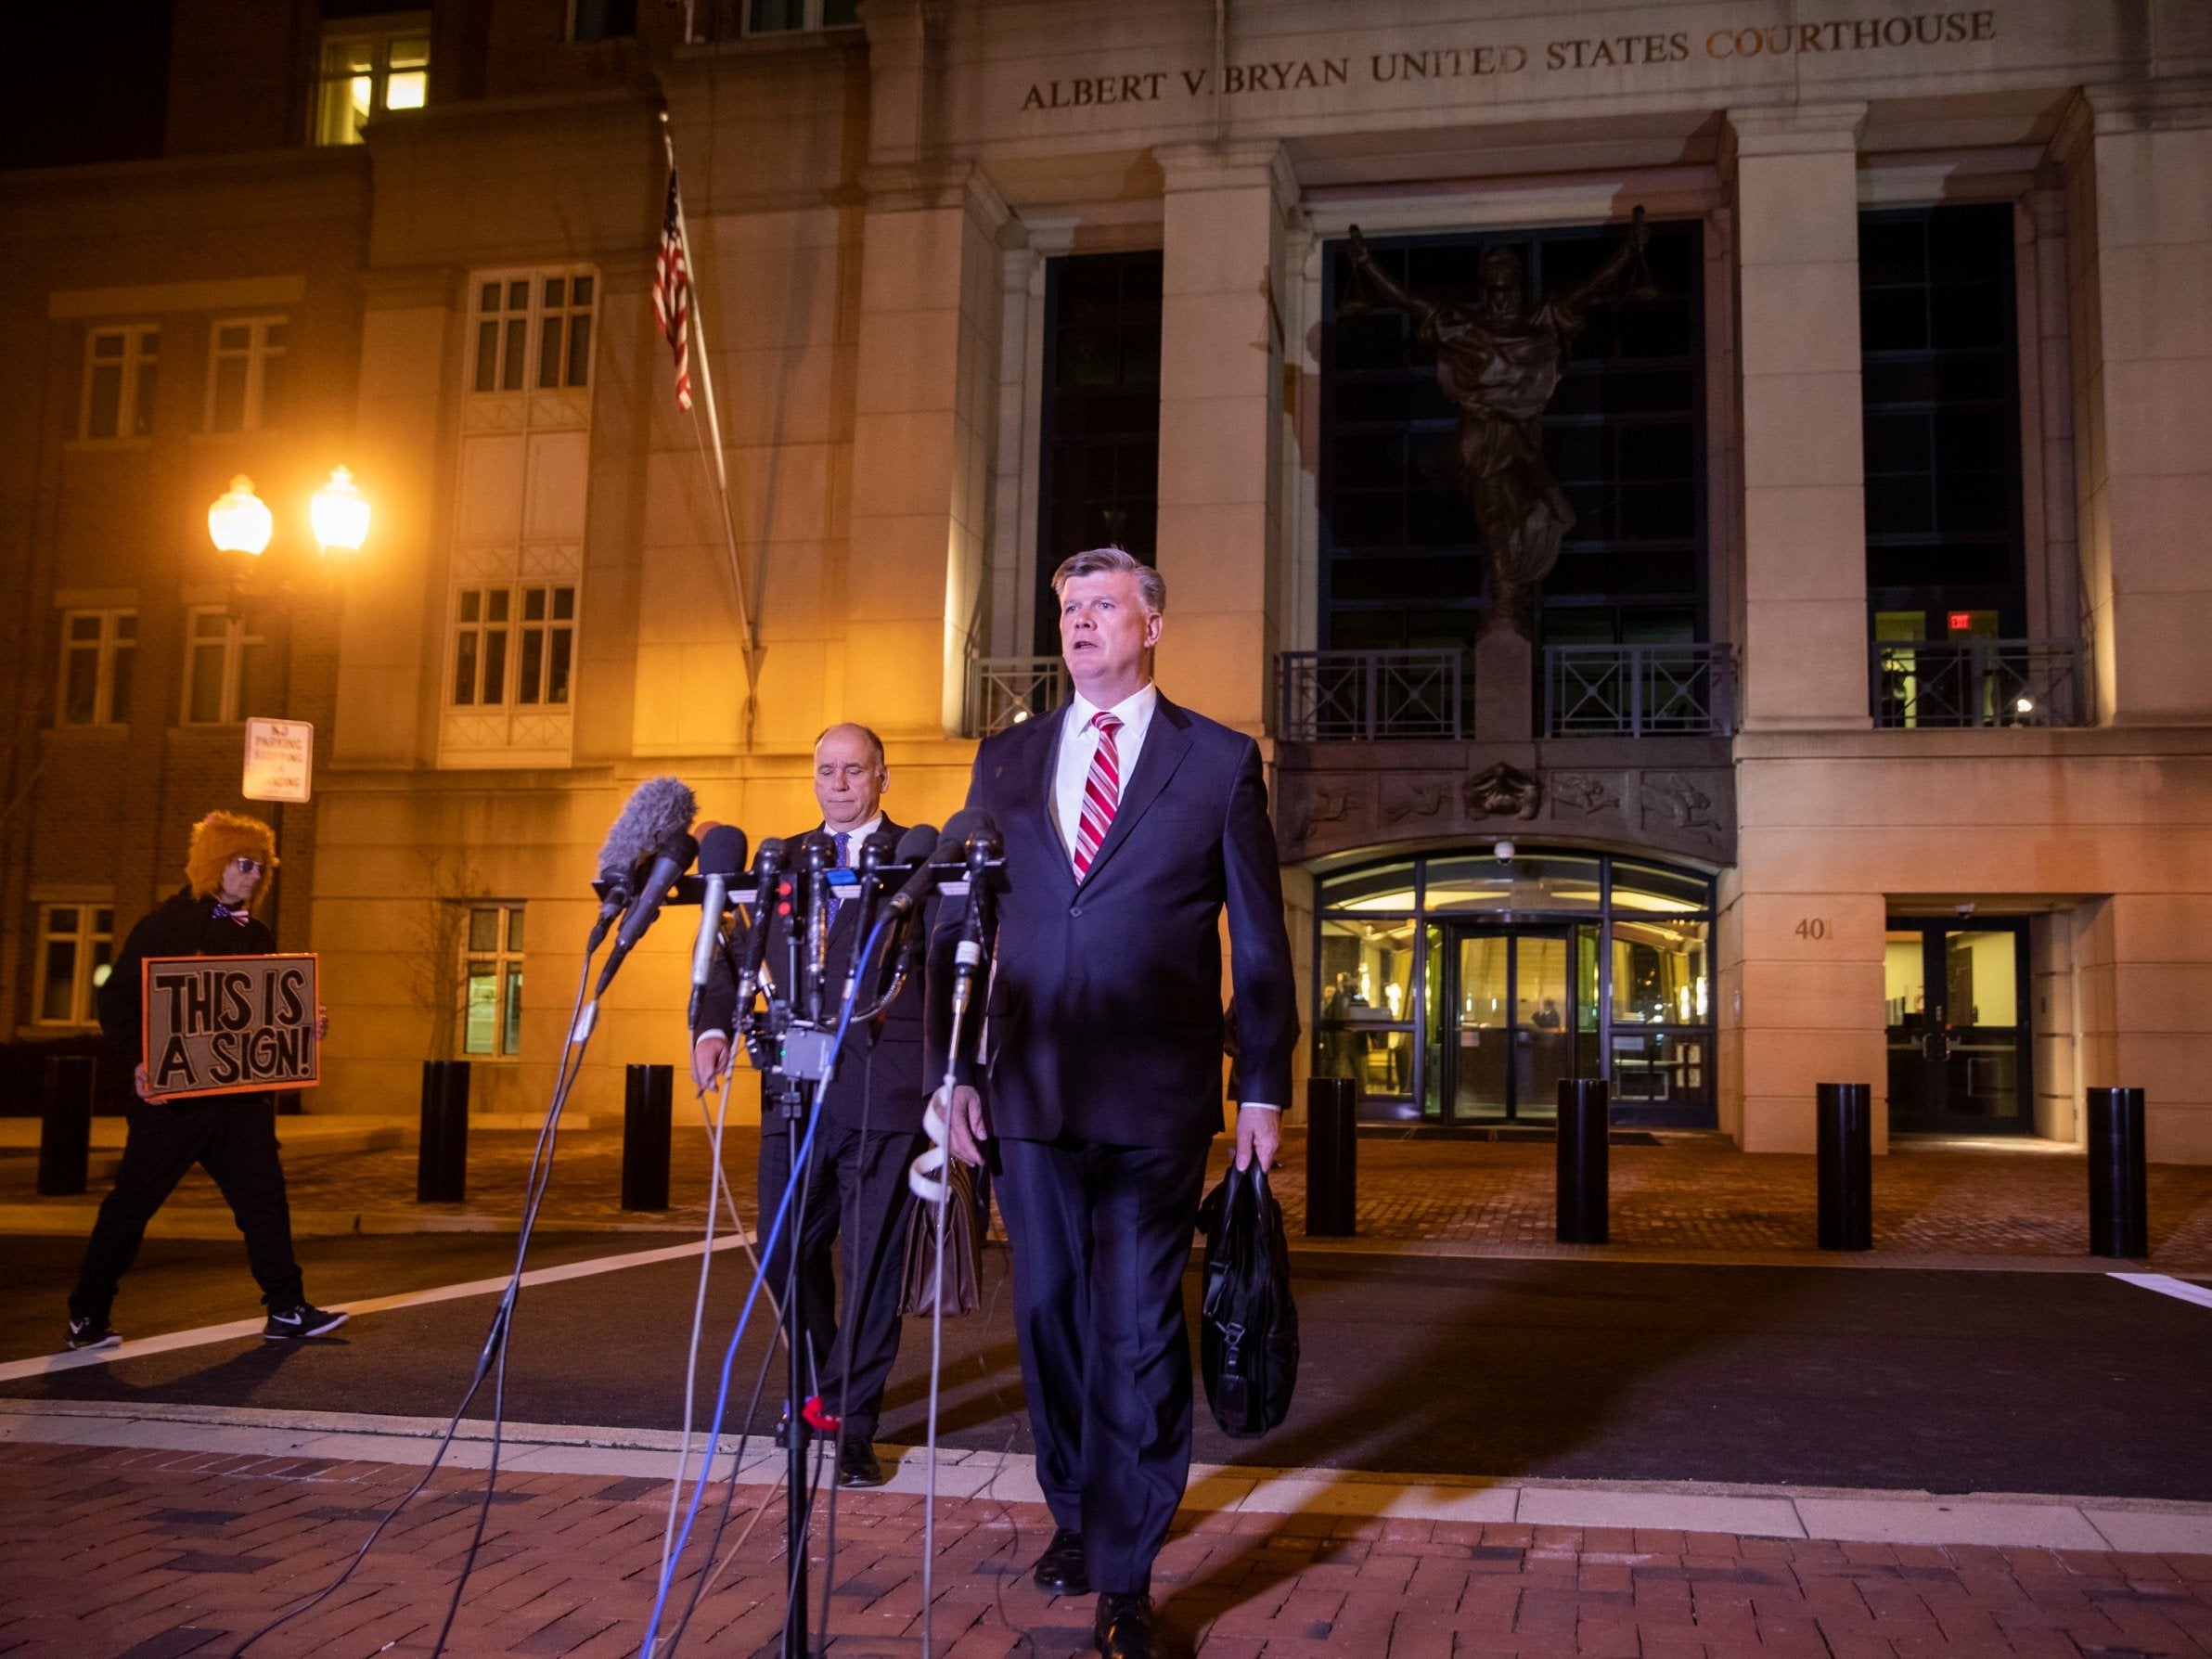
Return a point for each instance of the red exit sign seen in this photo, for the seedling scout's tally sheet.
(1962, 622)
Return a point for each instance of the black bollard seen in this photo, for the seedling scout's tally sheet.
(1584, 1154)
(2119, 1188)
(442, 1158)
(1845, 1145)
(648, 1092)
(1331, 1157)
(65, 1133)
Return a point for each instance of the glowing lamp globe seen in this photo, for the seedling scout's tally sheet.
(239, 522)
(339, 514)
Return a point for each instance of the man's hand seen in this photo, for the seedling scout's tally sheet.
(1259, 1135)
(967, 1130)
(322, 1021)
(708, 1056)
(144, 1089)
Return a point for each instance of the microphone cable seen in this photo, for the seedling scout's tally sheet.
(800, 1162)
(494, 1341)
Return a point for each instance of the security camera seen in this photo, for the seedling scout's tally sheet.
(1503, 852)
(1964, 909)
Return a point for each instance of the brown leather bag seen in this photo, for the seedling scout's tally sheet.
(964, 1258)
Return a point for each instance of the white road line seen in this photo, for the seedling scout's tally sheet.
(2165, 1284)
(44, 1364)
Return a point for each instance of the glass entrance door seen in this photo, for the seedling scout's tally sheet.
(1514, 1015)
(1958, 1032)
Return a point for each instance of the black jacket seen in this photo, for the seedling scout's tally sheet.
(184, 926)
(889, 1090)
(1105, 1001)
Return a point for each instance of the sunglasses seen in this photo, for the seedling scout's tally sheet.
(247, 864)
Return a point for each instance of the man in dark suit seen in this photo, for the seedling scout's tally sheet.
(856, 1195)
(1130, 825)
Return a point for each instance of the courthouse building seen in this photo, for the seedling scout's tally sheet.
(1862, 730)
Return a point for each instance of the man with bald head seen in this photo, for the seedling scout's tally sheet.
(856, 1197)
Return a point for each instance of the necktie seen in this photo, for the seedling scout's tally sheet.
(1101, 794)
(844, 846)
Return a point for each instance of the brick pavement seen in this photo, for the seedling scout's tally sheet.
(1690, 1192)
(159, 1554)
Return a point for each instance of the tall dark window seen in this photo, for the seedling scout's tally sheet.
(1940, 364)
(1101, 473)
(1624, 434)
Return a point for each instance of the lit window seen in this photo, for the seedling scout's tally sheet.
(121, 375)
(514, 645)
(491, 981)
(99, 650)
(779, 17)
(226, 668)
(367, 71)
(75, 946)
(247, 373)
(551, 309)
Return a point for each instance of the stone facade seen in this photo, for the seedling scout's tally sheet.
(870, 212)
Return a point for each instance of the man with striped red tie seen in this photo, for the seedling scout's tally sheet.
(1130, 826)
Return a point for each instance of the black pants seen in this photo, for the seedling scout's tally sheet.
(856, 1200)
(1101, 1238)
(234, 1139)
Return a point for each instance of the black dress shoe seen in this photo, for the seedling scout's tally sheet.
(1061, 1571)
(856, 1465)
(1123, 1629)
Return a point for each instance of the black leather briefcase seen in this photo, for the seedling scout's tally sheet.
(1247, 1324)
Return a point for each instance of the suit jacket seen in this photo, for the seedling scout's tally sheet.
(182, 926)
(889, 1090)
(1105, 1002)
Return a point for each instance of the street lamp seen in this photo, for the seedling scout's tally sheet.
(339, 514)
(239, 522)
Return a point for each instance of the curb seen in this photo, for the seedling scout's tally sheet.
(2018, 1520)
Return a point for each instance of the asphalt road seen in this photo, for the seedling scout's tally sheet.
(2063, 1384)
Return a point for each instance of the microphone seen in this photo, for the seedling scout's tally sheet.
(875, 852)
(817, 857)
(657, 809)
(721, 861)
(767, 870)
(950, 849)
(670, 859)
(983, 849)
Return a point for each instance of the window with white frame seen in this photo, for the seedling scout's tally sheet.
(121, 373)
(492, 980)
(514, 645)
(371, 66)
(227, 665)
(99, 650)
(248, 369)
(76, 944)
(779, 17)
(533, 329)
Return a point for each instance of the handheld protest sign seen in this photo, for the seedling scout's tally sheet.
(220, 1025)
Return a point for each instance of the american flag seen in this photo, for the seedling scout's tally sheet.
(671, 294)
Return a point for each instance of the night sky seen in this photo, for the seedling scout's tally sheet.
(83, 83)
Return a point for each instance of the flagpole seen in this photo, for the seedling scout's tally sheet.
(710, 441)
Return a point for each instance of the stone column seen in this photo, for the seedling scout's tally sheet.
(2140, 246)
(1221, 355)
(923, 415)
(1804, 645)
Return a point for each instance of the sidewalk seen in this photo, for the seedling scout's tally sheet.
(144, 1550)
(1691, 1197)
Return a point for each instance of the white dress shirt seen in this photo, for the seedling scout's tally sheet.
(854, 837)
(1079, 743)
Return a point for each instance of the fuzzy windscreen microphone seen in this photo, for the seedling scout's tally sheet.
(658, 810)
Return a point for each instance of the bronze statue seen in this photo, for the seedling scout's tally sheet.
(1499, 359)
